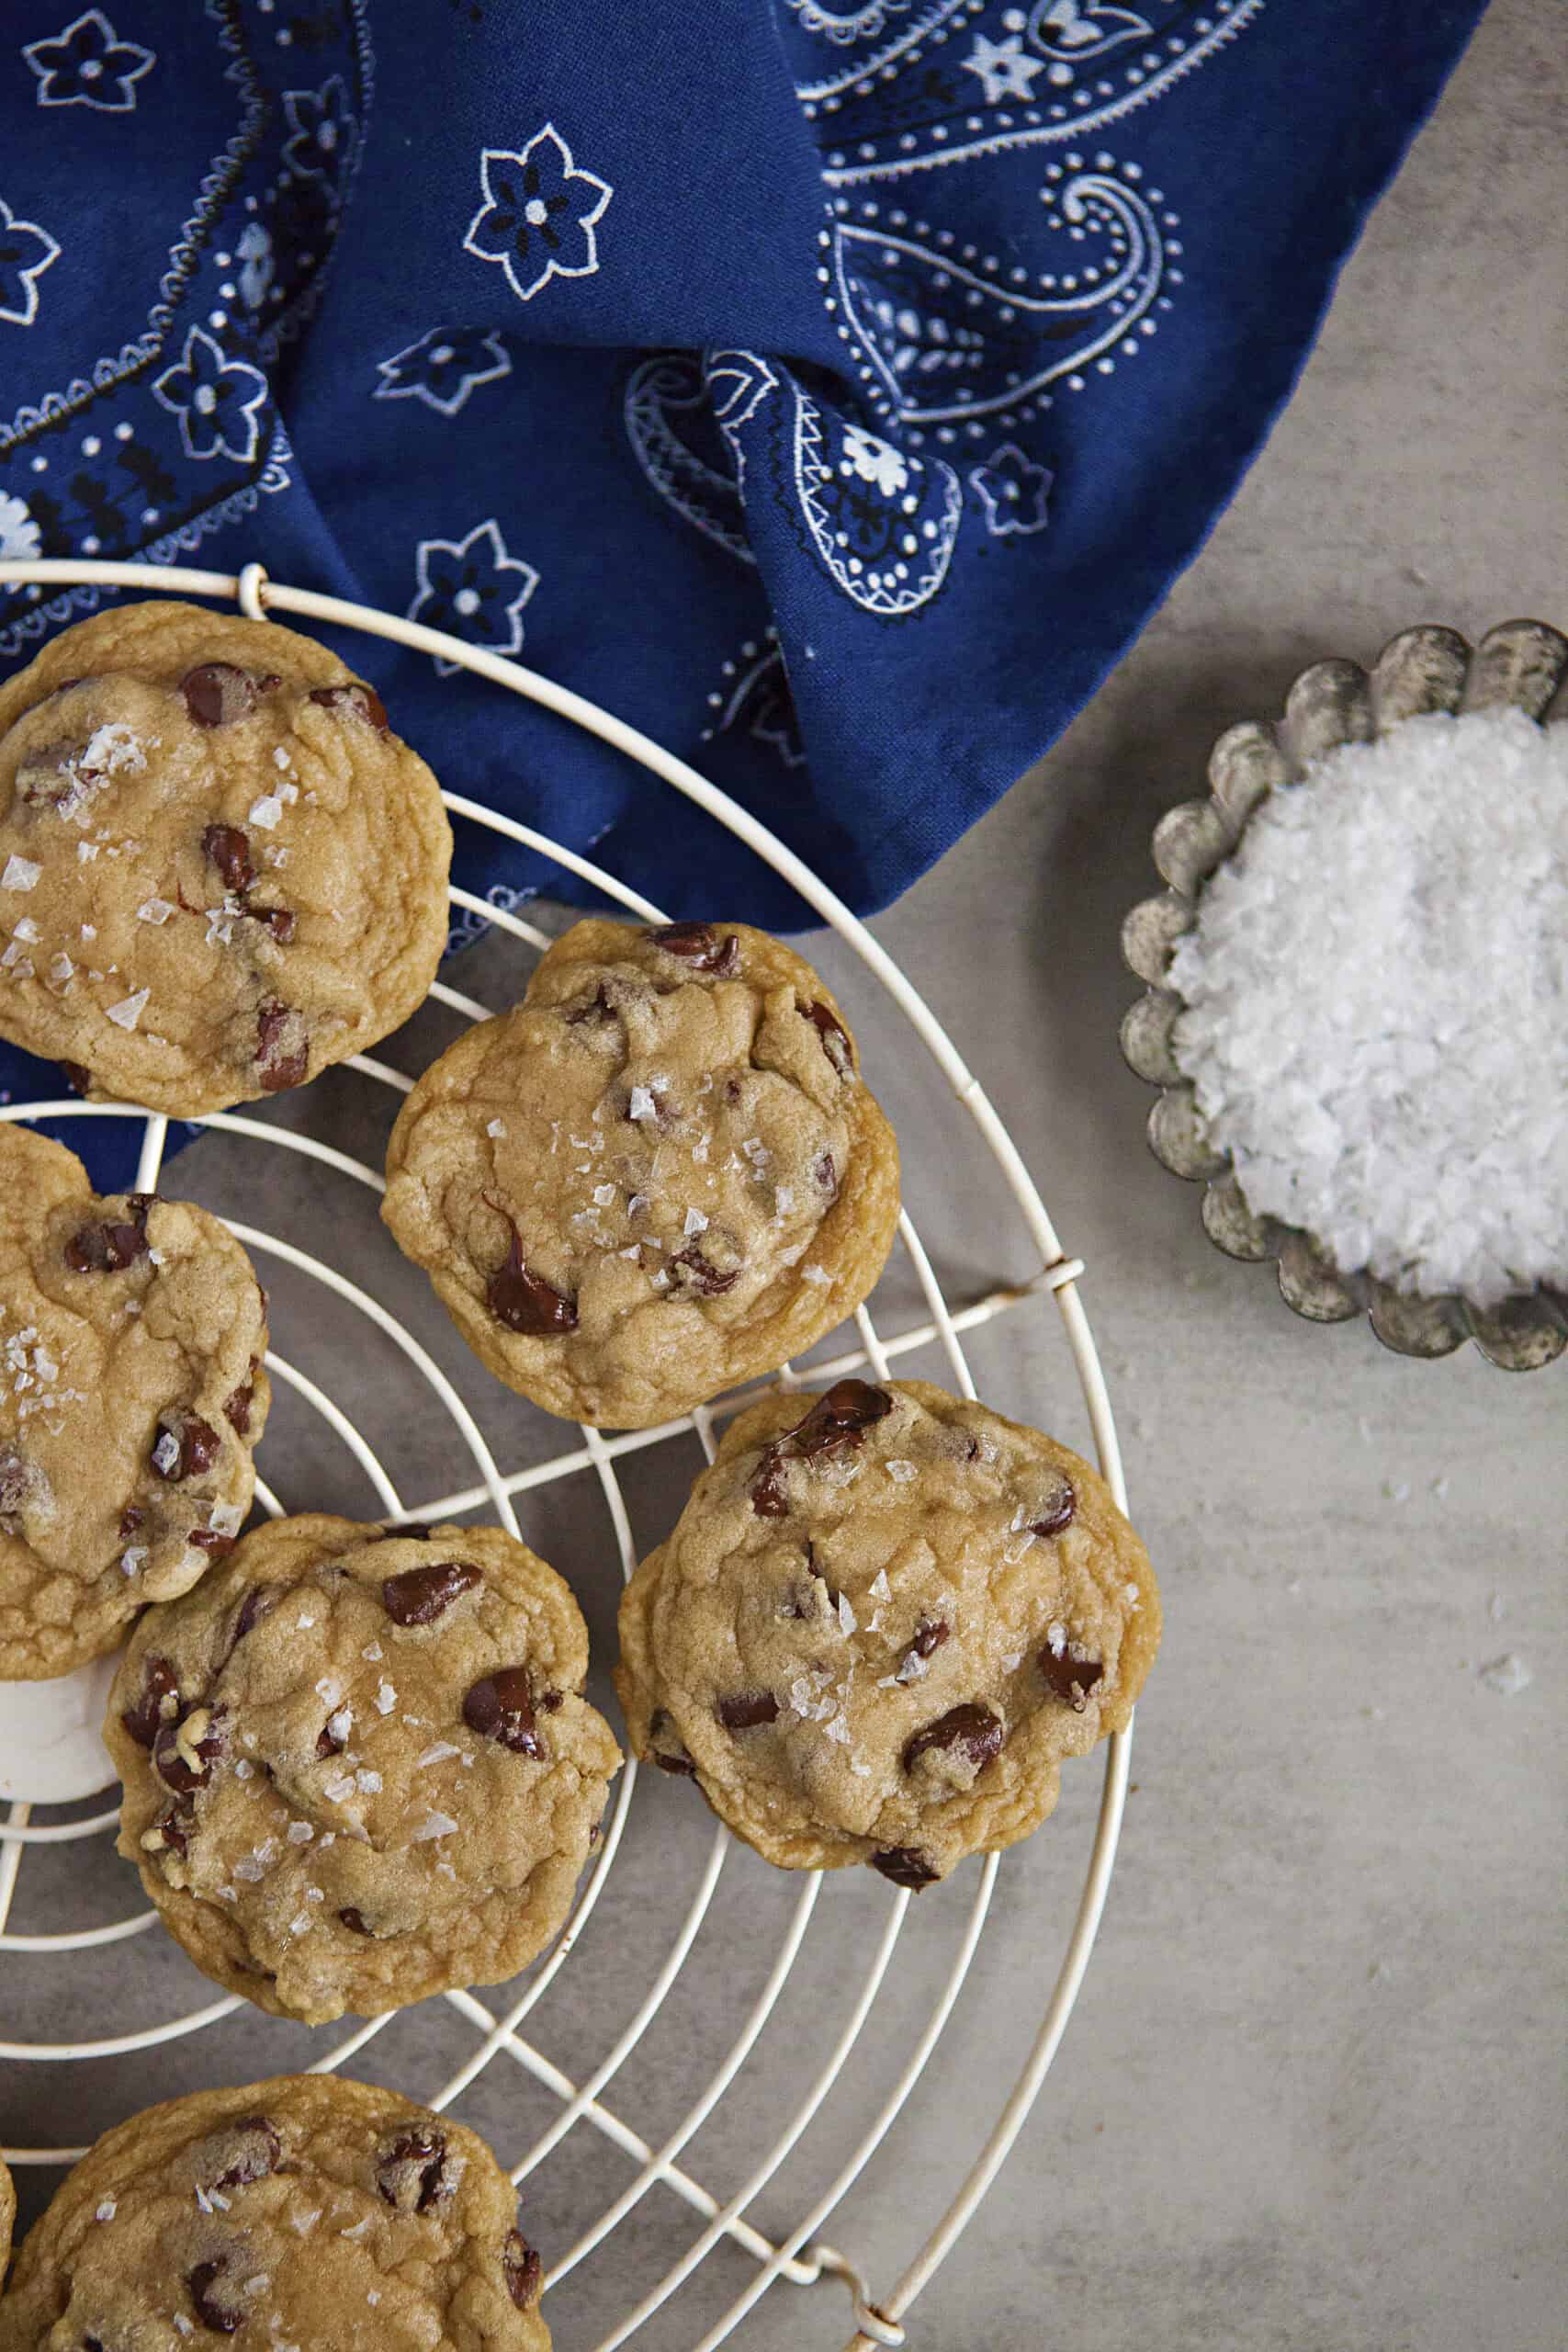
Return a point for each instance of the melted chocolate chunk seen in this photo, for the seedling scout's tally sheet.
(1058, 1513)
(358, 699)
(172, 1767)
(414, 1532)
(252, 1609)
(237, 1407)
(109, 1246)
(198, 1443)
(328, 1743)
(217, 695)
(501, 1706)
(259, 2153)
(929, 1635)
(524, 1301)
(746, 1709)
(699, 945)
(278, 1065)
(906, 1865)
(824, 1175)
(130, 1519)
(77, 1077)
(702, 1275)
(672, 1757)
(229, 849)
(216, 1546)
(839, 1418)
(521, 2270)
(420, 1595)
(175, 1823)
(279, 920)
(411, 2174)
(834, 1036)
(1070, 1679)
(223, 2319)
(971, 1727)
(356, 1921)
(147, 1718)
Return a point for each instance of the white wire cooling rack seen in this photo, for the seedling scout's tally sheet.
(797, 2256)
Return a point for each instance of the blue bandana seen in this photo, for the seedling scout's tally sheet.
(830, 387)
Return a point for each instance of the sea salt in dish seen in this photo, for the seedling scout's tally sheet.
(1376, 1006)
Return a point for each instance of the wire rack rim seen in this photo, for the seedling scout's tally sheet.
(877, 2323)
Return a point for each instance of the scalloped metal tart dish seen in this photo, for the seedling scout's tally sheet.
(1334, 702)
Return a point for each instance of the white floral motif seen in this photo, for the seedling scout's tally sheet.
(466, 588)
(254, 252)
(215, 399)
(1014, 492)
(538, 216)
(443, 367)
(323, 130)
(89, 65)
(873, 460)
(26, 252)
(886, 548)
(1070, 29)
(1002, 67)
(18, 531)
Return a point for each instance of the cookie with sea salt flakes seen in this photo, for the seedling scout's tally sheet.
(880, 1625)
(219, 870)
(304, 2212)
(357, 1765)
(132, 1392)
(659, 1175)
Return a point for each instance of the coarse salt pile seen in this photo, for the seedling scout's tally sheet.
(1377, 1006)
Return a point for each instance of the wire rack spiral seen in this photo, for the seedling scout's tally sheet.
(796, 2255)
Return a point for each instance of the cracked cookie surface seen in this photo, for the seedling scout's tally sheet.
(220, 871)
(132, 1330)
(357, 1767)
(658, 1176)
(883, 1619)
(305, 2212)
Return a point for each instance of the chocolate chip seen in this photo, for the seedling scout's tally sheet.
(279, 1063)
(111, 1245)
(356, 1921)
(699, 945)
(672, 1757)
(971, 1727)
(196, 1447)
(279, 920)
(172, 1767)
(906, 1865)
(237, 1407)
(824, 1175)
(834, 1036)
(839, 1418)
(411, 2174)
(359, 700)
(521, 2270)
(524, 1301)
(328, 1743)
(77, 1077)
(551, 1702)
(18, 1479)
(702, 1275)
(414, 1532)
(744, 1709)
(255, 1605)
(259, 2153)
(1057, 1513)
(216, 694)
(420, 1595)
(501, 1706)
(208, 1540)
(146, 1718)
(229, 849)
(222, 2318)
(130, 1519)
(929, 1635)
(175, 1825)
(1070, 1679)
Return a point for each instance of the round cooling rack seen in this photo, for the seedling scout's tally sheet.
(857, 1996)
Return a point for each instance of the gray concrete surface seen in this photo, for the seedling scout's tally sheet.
(1312, 2097)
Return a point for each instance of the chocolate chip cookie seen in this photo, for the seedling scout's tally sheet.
(659, 1175)
(220, 871)
(358, 1766)
(131, 1394)
(290, 2216)
(7, 2217)
(883, 1619)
